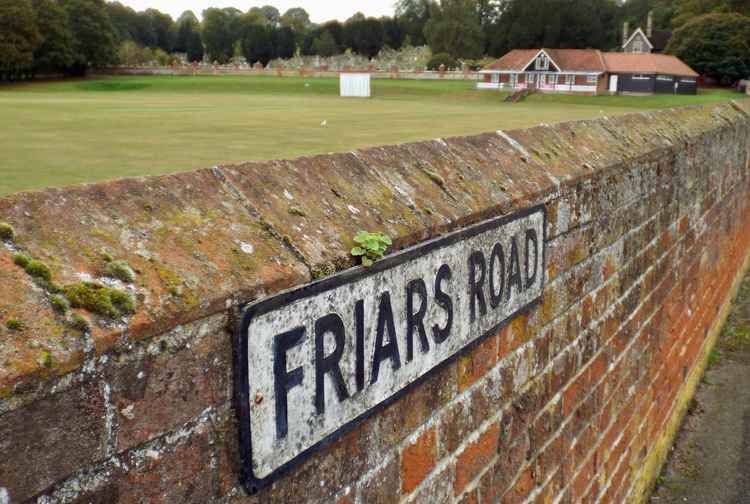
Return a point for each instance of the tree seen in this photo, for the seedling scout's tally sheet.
(55, 54)
(413, 16)
(94, 37)
(124, 21)
(268, 13)
(393, 32)
(363, 35)
(715, 45)
(220, 31)
(283, 42)
(257, 43)
(162, 28)
(325, 45)
(19, 37)
(297, 19)
(454, 29)
(187, 37)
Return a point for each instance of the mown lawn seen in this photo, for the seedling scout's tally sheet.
(70, 132)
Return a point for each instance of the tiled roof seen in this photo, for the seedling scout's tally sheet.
(593, 60)
(568, 60)
(645, 63)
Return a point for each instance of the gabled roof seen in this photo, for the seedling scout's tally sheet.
(566, 60)
(647, 63)
(635, 33)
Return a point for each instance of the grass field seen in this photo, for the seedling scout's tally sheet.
(69, 132)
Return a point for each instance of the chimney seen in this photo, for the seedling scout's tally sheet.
(650, 24)
(625, 34)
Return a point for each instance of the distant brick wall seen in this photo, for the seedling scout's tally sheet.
(649, 227)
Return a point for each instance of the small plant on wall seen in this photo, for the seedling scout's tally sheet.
(371, 247)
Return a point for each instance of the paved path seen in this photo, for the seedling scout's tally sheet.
(710, 463)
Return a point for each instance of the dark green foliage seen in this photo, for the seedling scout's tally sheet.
(413, 15)
(95, 44)
(257, 43)
(715, 45)
(455, 28)
(325, 45)
(297, 19)
(21, 260)
(19, 38)
(100, 299)
(7, 233)
(221, 28)
(55, 54)
(442, 59)
(282, 40)
(38, 269)
(188, 39)
(364, 35)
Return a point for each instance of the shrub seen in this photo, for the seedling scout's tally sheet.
(59, 303)
(21, 260)
(442, 59)
(7, 233)
(38, 269)
(121, 271)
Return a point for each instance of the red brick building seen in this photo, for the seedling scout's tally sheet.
(589, 71)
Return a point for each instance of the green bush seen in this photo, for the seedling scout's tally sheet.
(100, 299)
(38, 269)
(7, 233)
(121, 271)
(60, 303)
(442, 59)
(21, 260)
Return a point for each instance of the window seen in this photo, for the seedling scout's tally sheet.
(641, 77)
(665, 78)
(530, 78)
(542, 62)
(553, 79)
(495, 78)
(513, 80)
(592, 79)
(688, 80)
(570, 80)
(638, 46)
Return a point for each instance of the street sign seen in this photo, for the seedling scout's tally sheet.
(314, 361)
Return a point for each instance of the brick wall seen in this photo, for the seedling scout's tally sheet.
(649, 228)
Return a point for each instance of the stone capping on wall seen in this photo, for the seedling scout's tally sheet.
(206, 241)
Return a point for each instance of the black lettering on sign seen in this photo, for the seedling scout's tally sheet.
(390, 349)
(314, 361)
(416, 320)
(329, 364)
(445, 302)
(284, 380)
(476, 285)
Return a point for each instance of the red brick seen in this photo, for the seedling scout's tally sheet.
(476, 457)
(475, 364)
(418, 460)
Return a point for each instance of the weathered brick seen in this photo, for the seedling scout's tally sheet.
(418, 460)
(476, 456)
(51, 438)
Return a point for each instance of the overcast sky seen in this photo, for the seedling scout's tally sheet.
(320, 10)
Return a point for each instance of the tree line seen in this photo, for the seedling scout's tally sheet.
(71, 36)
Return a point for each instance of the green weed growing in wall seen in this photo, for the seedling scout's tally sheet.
(371, 247)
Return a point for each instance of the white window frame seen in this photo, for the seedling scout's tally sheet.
(513, 80)
(592, 79)
(665, 78)
(495, 78)
(530, 78)
(552, 79)
(570, 80)
(688, 80)
(542, 62)
(641, 77)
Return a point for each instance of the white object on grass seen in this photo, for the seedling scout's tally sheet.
(355, 85)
